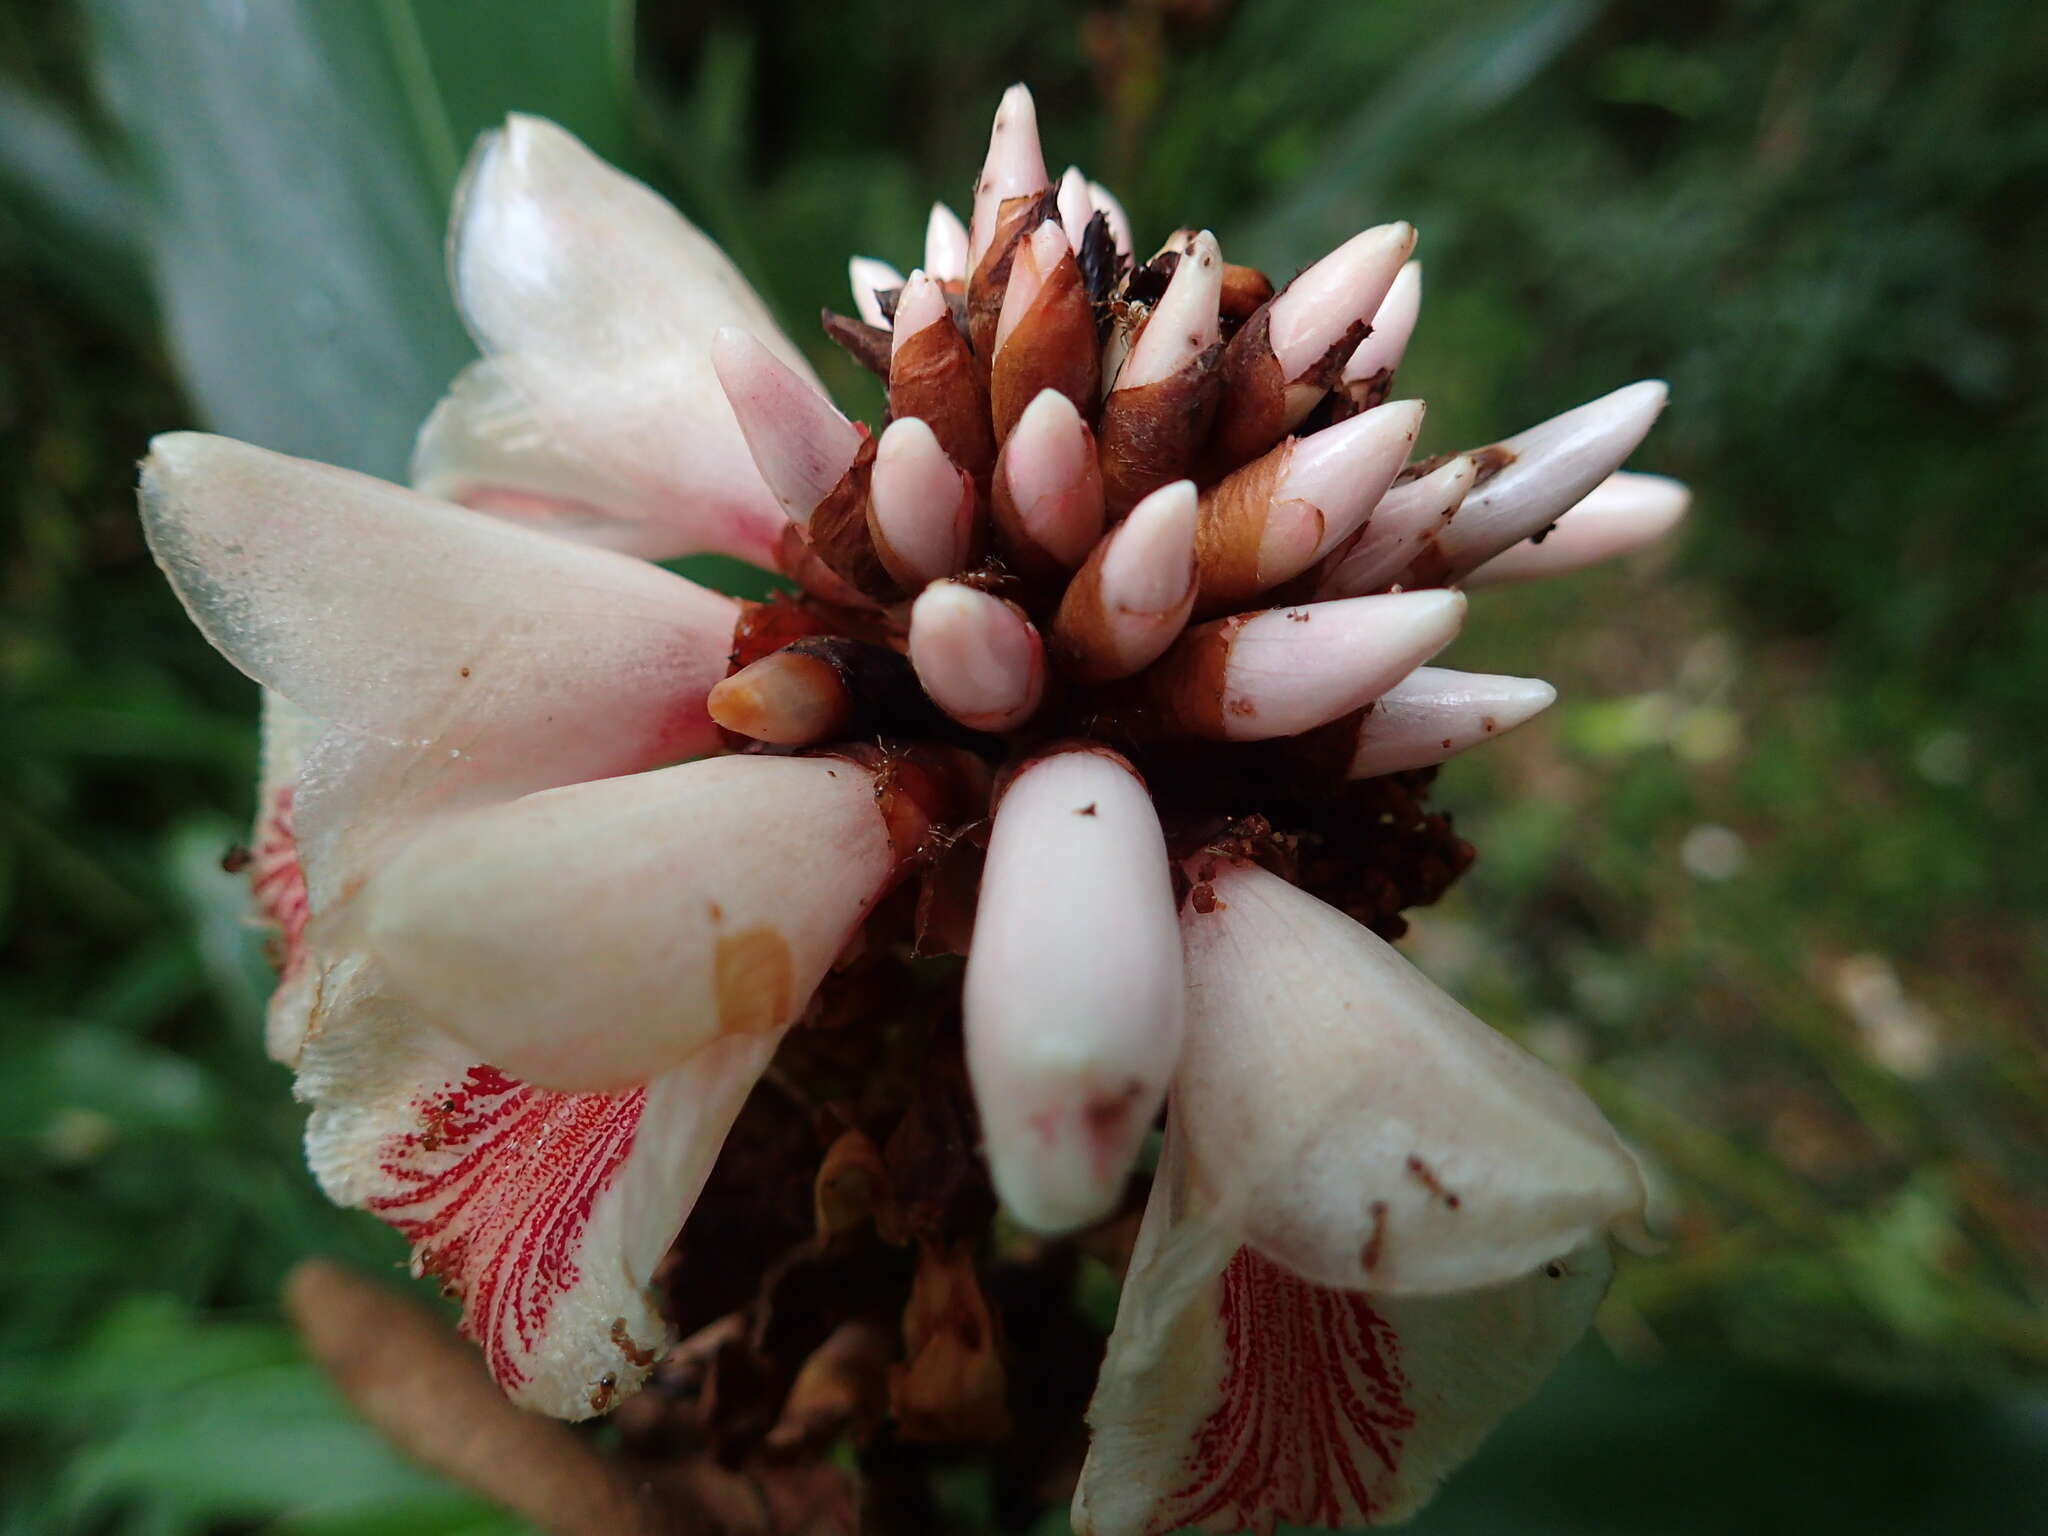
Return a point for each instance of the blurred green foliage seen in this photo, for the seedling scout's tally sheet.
(1769, 877)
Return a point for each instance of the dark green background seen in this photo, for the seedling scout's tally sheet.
(1822, 222)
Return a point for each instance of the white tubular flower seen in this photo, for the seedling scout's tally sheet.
(1378, 1227)
(1101, 670)
(594, 412)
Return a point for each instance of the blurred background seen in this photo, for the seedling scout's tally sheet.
(1769, 878)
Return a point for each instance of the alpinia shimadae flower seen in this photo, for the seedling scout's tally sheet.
(1109, 652)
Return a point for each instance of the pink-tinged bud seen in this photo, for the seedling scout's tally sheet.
(1396, 530)
(1073, 996)
(1039, 253)
(1133, 596)
(1371, 1133)
(1048, 489)
(1112, 210)
(922, 303)
(1076, 207)
(1433, 714)
(1182, 325)
(1015, 167)
(800, 442)
(920, 505)
(1288, 670)
(1541, 473)
(1621, 514)
(1344, 470)
(935, 377)
(660, 902)
(1345, 287)
(979, 658)
(945, 245)
(870, 278)
(1370, 372)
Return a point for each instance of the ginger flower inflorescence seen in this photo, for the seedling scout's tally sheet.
(1073, 788)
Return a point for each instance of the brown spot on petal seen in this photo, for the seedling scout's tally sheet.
(1374, 1250)
(1425, 1175)
(753, 981)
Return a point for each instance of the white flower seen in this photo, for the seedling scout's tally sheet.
(1117, 619)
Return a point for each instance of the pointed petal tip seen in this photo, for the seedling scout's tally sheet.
(870, 278)
(945, 244)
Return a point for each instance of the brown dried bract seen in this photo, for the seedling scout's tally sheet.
(935, 377)
(866, 344)
(1257, 406)
(950, 1386)
(1154, 434)
(839, 533)
(1053, 346)
(1017, 217)
(1230, 534)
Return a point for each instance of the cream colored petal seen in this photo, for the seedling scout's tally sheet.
(446, 653)
(595, 412)
(1073, 989)
(1618, 516)
(1236, 1395)
(545, 1213)
(596, 935)
(1355, 1124)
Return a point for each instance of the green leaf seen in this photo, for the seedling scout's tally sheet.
(297, 159)
(73, 211)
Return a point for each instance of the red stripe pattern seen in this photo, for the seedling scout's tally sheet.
(1311, 1415)
(494, 1188)
(276, 881)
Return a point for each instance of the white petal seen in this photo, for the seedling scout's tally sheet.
(461, 656)
(1392, 324)
(945, 245)
(1619, 515)
(1073, 988)
(1355, 1124)
(870, 278)
(1344, 470)
(1119, 222)
(1434, 713)
(1554, 465)
(594, 303)
(1289, 670)
(596, 935)
(1236, 1395)
(1396, 529)
(546, 1213)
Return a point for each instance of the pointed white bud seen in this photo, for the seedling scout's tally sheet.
(1397, 529)
(1433, 714)
(1392, 324)
(870, 278)
(1183, 324)
(945, 245)
(1346, 286)
(1344, 470)
(800, 442)
(921, 503)
(1553, 466)
(1015, 167)
(1619, 515)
